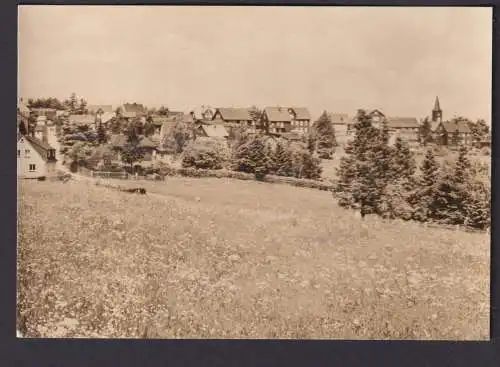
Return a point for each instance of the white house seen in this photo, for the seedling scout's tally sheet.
(35, 158)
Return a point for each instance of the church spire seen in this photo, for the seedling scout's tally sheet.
(437, 113)
(436, 105)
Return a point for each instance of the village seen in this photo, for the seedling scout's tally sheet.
(281, 172)
(48, 137)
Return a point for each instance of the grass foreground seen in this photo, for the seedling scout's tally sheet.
(220, 258)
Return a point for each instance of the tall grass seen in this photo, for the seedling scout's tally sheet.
(219, 258)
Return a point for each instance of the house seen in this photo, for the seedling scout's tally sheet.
(453, 133)
(407, 128)
(212, 131)
(276, 120)
(233, 117)
(202, 113)
(83, 121)
(147, 147)
(106, 117)
(129, 111)
(35, 158)
(341, 124)
(99, 109)
(118, 141)
(102, 156)
(47, 133)
(301, 119)
(50, 113)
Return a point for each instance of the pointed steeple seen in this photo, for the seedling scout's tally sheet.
(437, 113)
(436, 105)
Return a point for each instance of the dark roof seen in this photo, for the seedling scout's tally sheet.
(136, 108)
(456, 126)
(277, 114)
(301, 113)
(215, 131)
(402, 122)
(234, 114)
(118, 141)
(339, 118)
(41, 147)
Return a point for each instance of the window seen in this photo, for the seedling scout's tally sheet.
(32, 168)
(18, 153)
(27, 153)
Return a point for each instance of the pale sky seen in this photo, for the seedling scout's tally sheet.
(334, 58)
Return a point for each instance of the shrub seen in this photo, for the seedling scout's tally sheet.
(205, 154)
(253, 157)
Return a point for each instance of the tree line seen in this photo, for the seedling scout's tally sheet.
(377, 178)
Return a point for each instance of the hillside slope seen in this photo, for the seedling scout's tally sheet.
(239, 259)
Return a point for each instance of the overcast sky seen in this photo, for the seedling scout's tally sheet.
(339, 59)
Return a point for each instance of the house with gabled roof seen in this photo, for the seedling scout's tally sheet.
(276, 120)
(342, 125)
(453, 133)
(212, 131)
(35, 158)
(407, 128)
(232, 117)
(131, 110)
(301, 119)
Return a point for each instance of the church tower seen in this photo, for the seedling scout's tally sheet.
(437, 113)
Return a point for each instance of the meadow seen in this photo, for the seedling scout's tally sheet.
(221, 258)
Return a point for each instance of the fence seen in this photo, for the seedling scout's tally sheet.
(115, 175)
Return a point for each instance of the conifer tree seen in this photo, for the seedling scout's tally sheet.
(423, 197)
(462, 166)
(282, 160)
(403, 162)
(252, 157)
(325, 132)
(425, 132)
(365, 170)
(101, 135)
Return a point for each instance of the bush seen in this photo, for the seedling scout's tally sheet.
(253, 156)
(205, 154)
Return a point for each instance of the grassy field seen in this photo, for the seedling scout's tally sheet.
(217, 258)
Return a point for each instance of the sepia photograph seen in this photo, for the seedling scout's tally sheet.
(254, 172)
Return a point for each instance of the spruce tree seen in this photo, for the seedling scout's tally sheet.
(462, 167)
(101, 135)
(403, 162)
(282, 160)
(365, 170)
(424, 195)
(251, 157)
(326, 142)
(425, 132)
